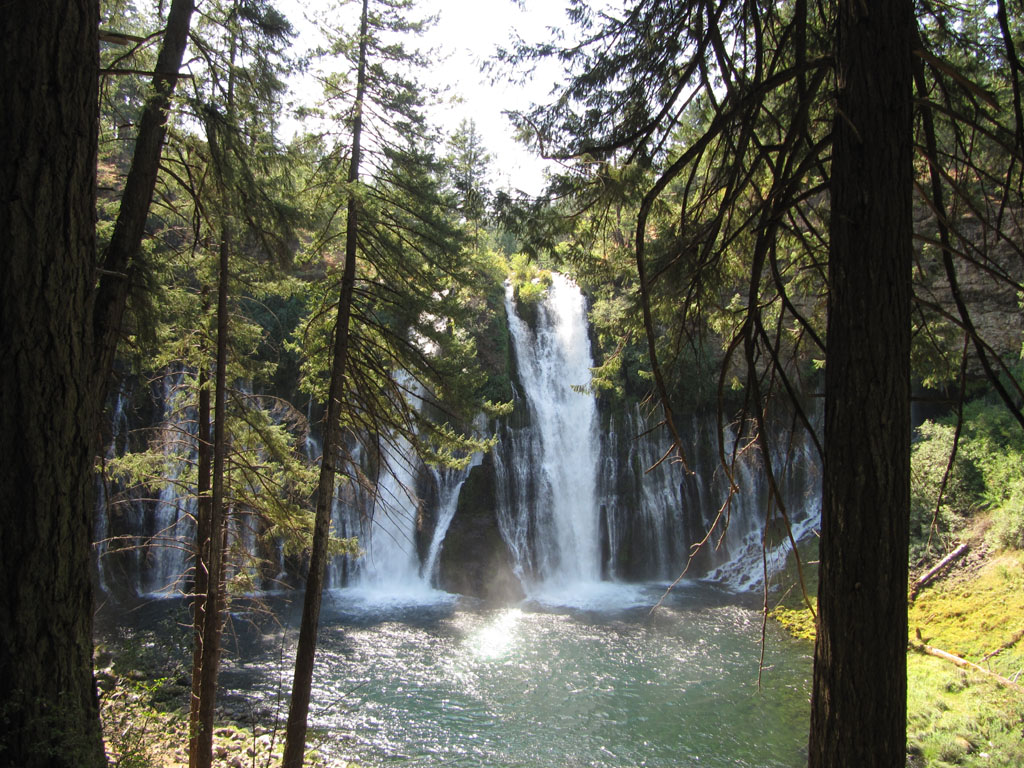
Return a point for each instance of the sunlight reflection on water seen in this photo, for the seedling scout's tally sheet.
(493, 640)
(459, 684)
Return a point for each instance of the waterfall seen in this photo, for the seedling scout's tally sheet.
(656, 511)
(101, 517)
(571, 503)
(578, 504)
(171, 516)
(554, 512)
(391, 563)
(388, 521)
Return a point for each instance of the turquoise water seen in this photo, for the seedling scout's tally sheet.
(451, 683)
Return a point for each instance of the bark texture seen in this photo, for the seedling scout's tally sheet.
(48, 422)
(858, 715)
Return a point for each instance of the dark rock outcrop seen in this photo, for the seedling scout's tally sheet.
(475, 559)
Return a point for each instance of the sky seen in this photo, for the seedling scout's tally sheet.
(466, 35)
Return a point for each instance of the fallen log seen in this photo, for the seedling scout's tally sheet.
(931, 650)
(1008, 644)
(942, 565)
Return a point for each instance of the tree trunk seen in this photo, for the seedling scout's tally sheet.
(305, 653)
(49, 421)
(213, 603)
(858, 709)
(112, 294)
(927, 578)
(200, 581)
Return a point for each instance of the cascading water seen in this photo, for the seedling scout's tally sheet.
(449, 483)
(386, 522)
(101, 520)
(557, 512)
(578, 504)
(566, 501)
(656, 512)
(391, 563)
(174, 511)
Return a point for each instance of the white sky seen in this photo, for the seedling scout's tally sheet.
(466, 34)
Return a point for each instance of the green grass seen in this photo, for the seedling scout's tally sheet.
(958, 717)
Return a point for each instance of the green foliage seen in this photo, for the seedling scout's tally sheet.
(530, 283)
(131, 726)
(931, 522)
(267, 472)
(985, 476)
(467, 165)
(997, 445)
(421, 361)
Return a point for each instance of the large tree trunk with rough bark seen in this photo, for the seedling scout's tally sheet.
(858, 715)
(49, 419)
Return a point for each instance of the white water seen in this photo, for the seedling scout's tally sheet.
(167, 550)
(564, 446)
(390, 571)
(390, 563)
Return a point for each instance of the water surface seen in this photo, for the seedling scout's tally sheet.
(444, 682)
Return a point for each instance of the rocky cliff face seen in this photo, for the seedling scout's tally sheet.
(989, 270)
(475, 560)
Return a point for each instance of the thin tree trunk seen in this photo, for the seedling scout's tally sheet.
(213, 618)
(49, 422)
(206, 657)
(200, 581)
(305, 653)
(858, 708)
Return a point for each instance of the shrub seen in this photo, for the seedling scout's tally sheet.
(986, 475)
(964, 487)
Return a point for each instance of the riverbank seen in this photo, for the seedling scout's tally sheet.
(975, 612)
(144, 695)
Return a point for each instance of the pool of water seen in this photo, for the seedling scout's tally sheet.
(447, 682)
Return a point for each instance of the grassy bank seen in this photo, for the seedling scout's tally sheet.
(961, 717)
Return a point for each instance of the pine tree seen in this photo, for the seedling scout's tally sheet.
(467, 163)
(395, 299)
